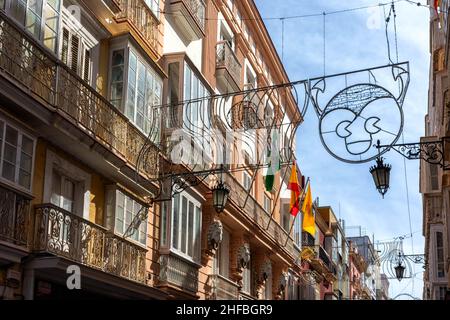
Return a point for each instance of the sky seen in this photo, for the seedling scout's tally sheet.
(357, 40)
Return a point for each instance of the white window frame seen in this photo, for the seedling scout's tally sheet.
(153, 5)
(222, 257)
(8, 7)
(87, 42)
(20, 134)
(81, 178)
(268, 203)
(127, 46)
(247, 279)
(196, 252)
(112, 198)
(246, 177)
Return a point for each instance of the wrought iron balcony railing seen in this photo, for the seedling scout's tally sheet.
(14, 217)
(307, 240)
(256, 213)
(141, 18)
(36, 72)
(177, 271)
(66, 235)
(197, 9)
(323, 255)
(222, 288)
(226, 59)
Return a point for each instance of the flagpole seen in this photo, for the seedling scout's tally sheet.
(295, 218)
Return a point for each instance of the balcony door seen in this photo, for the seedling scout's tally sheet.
(67, 197)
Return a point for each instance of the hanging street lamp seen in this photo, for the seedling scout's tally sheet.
(399, 271)
(220, 196)
(381, 175)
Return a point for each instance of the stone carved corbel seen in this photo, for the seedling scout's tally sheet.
(215, 236)
(266, 270)
(244, 256)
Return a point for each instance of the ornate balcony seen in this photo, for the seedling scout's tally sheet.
(14, 217)
(176, 271)
(66, 235)
(228, 68)
(32, 69)
(189, 17)
(141, 18)
(223, 289)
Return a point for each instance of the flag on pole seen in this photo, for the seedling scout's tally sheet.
(309, 223)
(294, 186)
(437, 3)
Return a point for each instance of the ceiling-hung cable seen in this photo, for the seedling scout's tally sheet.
(404, 159)
(324, 44)
(282, 40)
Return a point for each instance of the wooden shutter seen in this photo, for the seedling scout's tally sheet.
(87, 65)
(65, 46)
(74, 53)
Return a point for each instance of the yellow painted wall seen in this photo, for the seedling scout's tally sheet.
(39, 172)
(97, 201)
(97, 205)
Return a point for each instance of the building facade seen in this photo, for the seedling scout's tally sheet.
(434, 181)
(371, 277)
(82, 82)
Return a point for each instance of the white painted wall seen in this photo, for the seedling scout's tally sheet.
(174, 44)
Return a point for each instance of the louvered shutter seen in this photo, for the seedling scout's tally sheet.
(75, 50)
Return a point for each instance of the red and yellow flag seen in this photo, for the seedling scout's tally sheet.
(437, 3)
(309, 223)
(294, 186)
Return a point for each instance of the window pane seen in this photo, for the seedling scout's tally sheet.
(128, 213)
(132, 78)
(56, 189)
(175, 220)
(18, 9)
(164, 214)
(120, 213)
(68, 195)
(117, 74)
(10, 154)
(197, 235)
(33, 23)
(183, 224)
(141, 102)
(190, 240)
(143, 229)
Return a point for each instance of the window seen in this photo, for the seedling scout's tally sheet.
(247, 279)
(66, 186)
(286, 217)
(434, 177)
(143, 90)
(16, 156)
(122, 211)
(39, 17)
(247, 182)
(440, 255)
(186, 226)
(223, 256)
(442, 291)
(196, 118)
(154, 5)
(63, 192)
(76, 54)
(267, 204)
